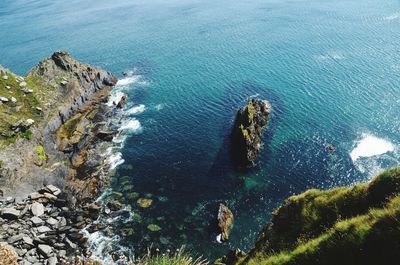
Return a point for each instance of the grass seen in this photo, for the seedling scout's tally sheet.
(25, 107)
(179, 257)
(355, 225)
(41, 154)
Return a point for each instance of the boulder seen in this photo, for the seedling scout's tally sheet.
(5, 77)
(45, 250)
(121, 102)
(105, 135)
(4, 99)
(7, 254)
(43, 229)
(225, 222)
(37, 209)
(114, 205)
(247, 131)
(10, 213)
(53, 189)
(23, 84)
(52, 261)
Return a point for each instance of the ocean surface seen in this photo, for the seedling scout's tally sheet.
(331, 70)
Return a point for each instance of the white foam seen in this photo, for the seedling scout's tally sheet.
(219, 238)
(130, 126)
(114, 160)
(115, 97)
(392, 17)
(102, 246)
(370, 146)
(333, 55)
(135, 110)
(159, 107)
(128, 80)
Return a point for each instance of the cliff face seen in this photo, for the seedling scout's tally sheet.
(38, 105)
(247, 131)
(355, 225)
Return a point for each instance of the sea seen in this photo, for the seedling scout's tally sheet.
(330, 69)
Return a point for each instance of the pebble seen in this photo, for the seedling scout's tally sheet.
(23, 84)
(29, 122)
(37, 221)
(27, 91)
(13, 100)
(5, 77)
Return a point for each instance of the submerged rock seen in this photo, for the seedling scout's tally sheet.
(247, 131)
(225, 222)
(153, 227)
(144, 202)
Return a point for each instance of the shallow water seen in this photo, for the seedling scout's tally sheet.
(330, 69)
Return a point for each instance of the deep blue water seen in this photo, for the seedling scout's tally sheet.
(331, 70)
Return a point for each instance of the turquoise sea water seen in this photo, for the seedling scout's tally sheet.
(331, 70)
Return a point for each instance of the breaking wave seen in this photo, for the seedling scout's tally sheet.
(372, 155)
(136, 110)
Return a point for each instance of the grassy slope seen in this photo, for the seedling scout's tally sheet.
(356, 225)
(25, 107)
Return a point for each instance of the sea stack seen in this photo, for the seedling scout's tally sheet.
(225, 222)
(247, 131)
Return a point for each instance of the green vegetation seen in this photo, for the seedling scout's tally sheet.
(245, 132)
(355, 225)
(250, 110)
(20, 106)
(41, 154)
(27, 134)
(70, 126)
(180, 257)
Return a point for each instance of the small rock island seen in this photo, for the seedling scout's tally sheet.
(247, 131)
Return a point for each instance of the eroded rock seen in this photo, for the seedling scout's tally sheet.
(225, 222)
(247, 131)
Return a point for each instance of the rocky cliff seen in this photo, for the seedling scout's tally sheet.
(354, 225)
(247, 131)
(37, 106)
(55, 135)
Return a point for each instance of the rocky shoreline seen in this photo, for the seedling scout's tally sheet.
(43, 229)
(51, 180)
